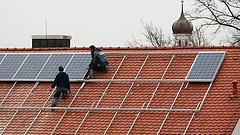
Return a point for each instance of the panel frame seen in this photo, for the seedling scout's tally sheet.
(216, 71)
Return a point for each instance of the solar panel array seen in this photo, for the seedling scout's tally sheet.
(206, 66)
(42, 66)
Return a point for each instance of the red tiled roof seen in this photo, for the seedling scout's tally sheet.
(218, 112)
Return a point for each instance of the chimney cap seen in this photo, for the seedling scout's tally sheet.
(51, 37)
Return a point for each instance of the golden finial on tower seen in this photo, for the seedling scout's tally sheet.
(182, 1)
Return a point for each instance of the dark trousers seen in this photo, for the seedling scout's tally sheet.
(59, 91)
(97, 67)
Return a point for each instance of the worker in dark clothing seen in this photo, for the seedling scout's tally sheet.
(99, 62)
(63, 85)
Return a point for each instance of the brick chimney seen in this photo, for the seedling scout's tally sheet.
(45, 41)
(235, 89)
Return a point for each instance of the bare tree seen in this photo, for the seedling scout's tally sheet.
(199, 39)
(220, 14)
(156, 37)
(135, 43)
(235, 38)
(153, 35)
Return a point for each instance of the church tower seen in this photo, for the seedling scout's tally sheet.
(182, 30)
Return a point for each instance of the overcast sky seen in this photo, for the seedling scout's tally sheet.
(99, 22)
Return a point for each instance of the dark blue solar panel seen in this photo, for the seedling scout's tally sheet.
(10, 65)
(32, 66)
(78, 66)
(50, 70)
(42, 67)
(1, 57)
(206, 65)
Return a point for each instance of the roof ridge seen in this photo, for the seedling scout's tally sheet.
(117, 48)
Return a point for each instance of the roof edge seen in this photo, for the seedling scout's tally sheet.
(118, 48)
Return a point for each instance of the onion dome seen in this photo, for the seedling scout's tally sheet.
(182, 25)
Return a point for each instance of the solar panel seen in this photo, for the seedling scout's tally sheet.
(206, 66)
(78, 66)
(10, 65)
(42, 66)
(1, 57)
(32, 66)
(50, 70)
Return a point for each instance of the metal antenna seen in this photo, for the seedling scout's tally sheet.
(46, 34)
(46, 28)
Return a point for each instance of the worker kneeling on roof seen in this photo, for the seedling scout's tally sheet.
(99, 62)
(63, 85)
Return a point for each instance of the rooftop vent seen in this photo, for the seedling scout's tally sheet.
(45, 41)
